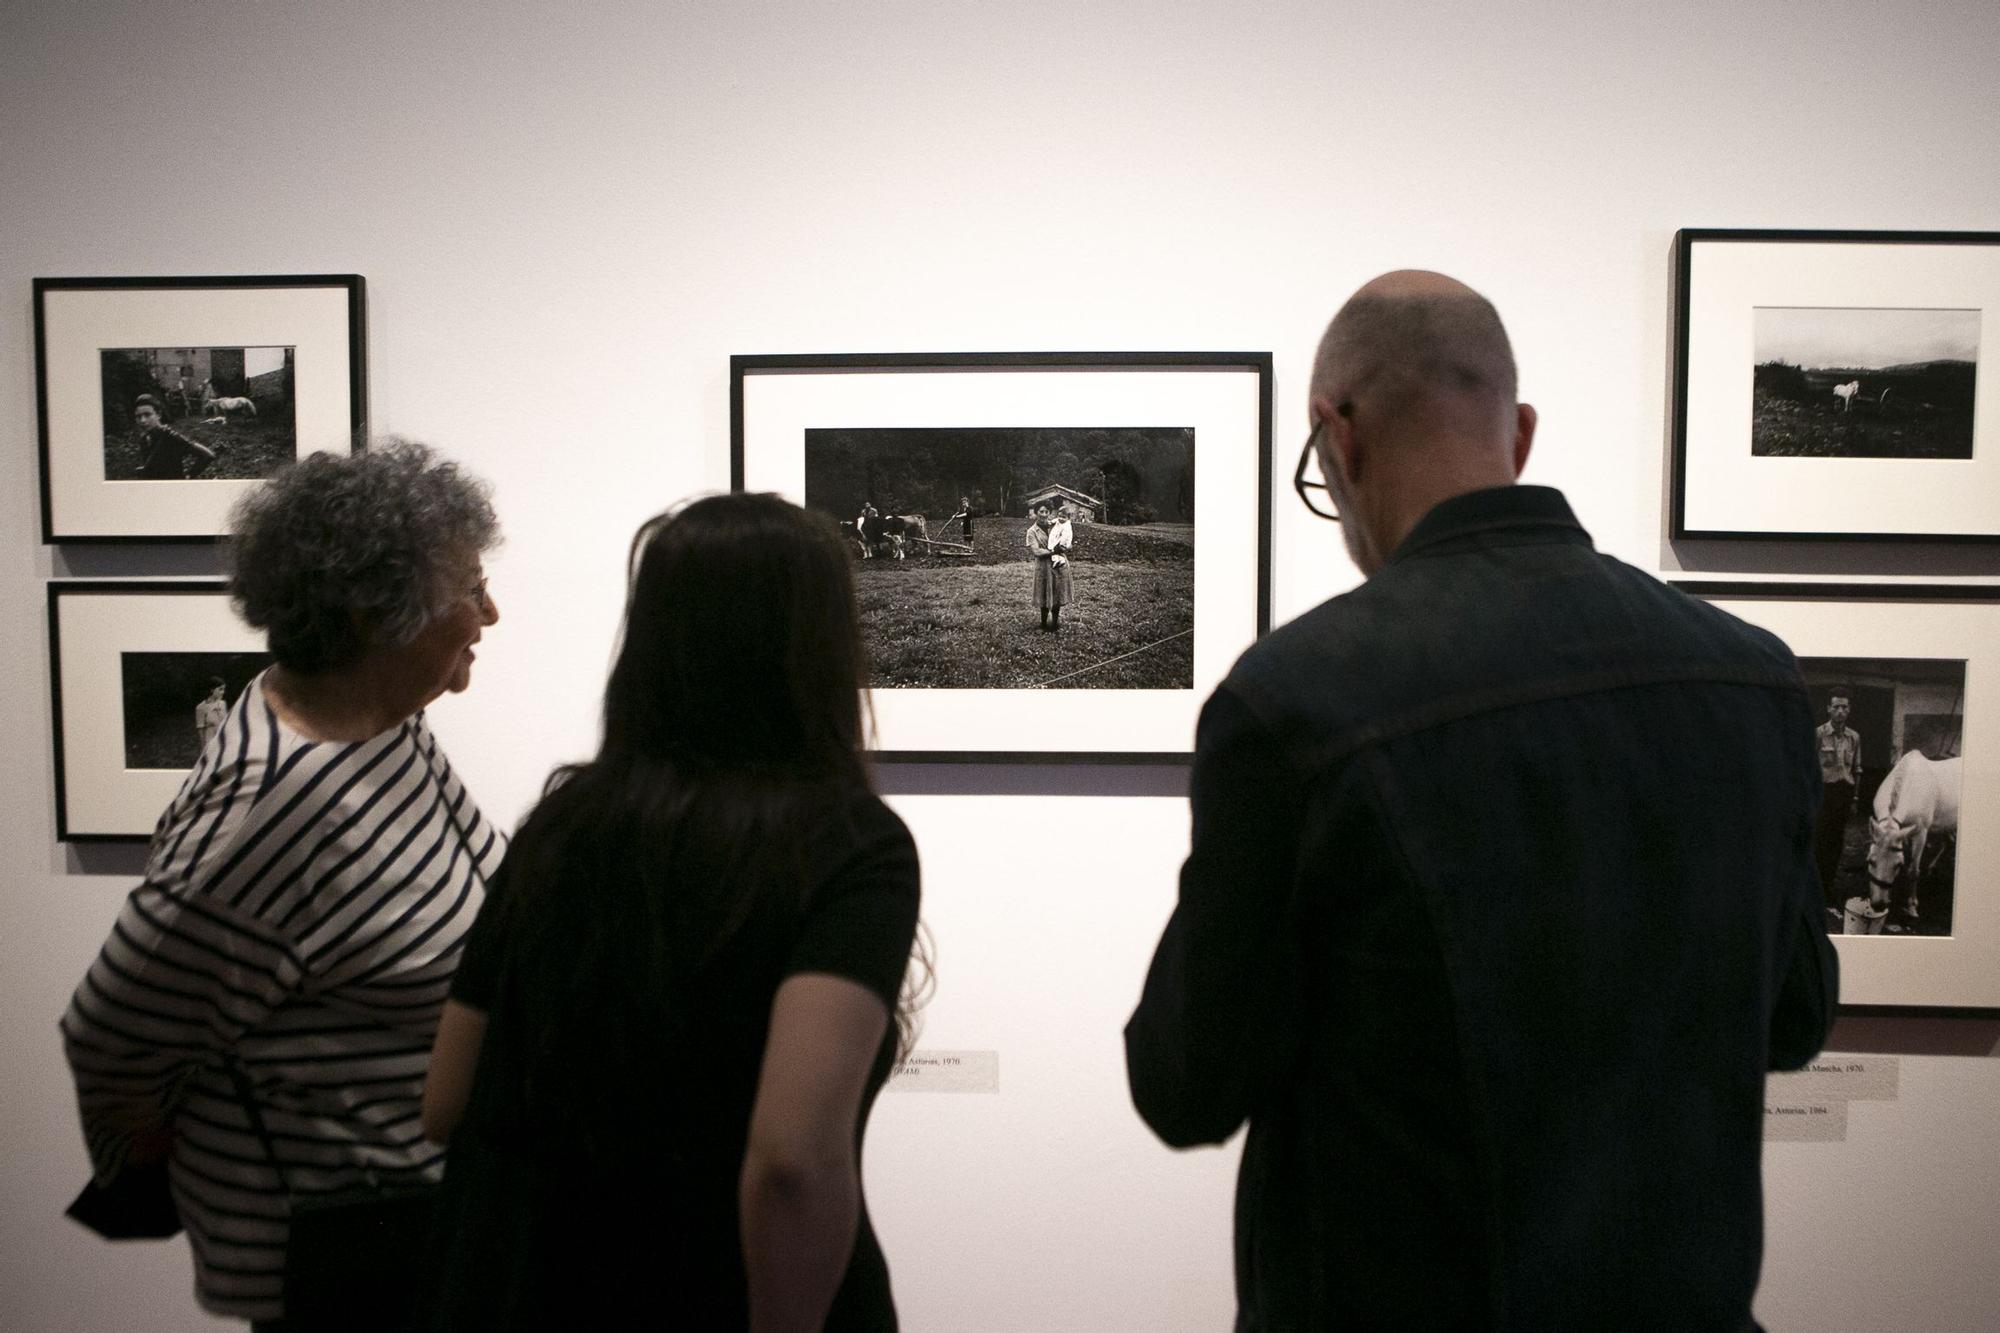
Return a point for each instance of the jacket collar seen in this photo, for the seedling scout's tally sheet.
(1527, 513)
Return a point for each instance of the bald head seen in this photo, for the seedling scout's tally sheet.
(1413, 403)
(1421, 348)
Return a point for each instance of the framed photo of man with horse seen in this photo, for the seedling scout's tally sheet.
(162, 399)
(1024, 534)
(1905, 686)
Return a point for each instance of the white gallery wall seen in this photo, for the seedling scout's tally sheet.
(570, 216)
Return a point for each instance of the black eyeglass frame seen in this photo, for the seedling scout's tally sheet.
(1305, 488)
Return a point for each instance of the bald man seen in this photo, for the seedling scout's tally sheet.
(1501, 898)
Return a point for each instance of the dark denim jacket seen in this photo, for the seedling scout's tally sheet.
(1500, 904)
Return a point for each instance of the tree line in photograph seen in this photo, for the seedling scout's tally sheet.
(1139, 474)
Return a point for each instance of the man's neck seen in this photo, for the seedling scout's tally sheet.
(1418, 490)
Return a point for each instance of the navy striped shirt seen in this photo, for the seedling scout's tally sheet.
(303, 911)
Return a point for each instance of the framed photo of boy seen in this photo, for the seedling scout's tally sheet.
(1905, 687)
(1023, 531)
(161, 400)
(1828, 385)
(142, 675)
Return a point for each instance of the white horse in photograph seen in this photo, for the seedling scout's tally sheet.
(1845, 393)
(1918, 798)
(225, 407)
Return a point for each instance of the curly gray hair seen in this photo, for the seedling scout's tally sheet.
(340, 552)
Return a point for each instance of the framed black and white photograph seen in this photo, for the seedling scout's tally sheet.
(1891, 746)
(1905, 686)
(1828, 385)
(162, 399)
(1056, 555)
(177, 413)
(142, 675)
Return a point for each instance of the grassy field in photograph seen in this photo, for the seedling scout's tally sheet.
(244, 448)
(970, 623)
(163, 741)
(1927, 414)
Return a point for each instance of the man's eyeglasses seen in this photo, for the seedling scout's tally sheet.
(1310, 483)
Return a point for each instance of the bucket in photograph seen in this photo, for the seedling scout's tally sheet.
(1862, 918)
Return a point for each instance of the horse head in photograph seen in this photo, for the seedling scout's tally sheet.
(1919, 796)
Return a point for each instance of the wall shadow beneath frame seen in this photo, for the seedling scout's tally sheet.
(1916, 1034)
(1860, 560)
(1028, 779)
(122, 859)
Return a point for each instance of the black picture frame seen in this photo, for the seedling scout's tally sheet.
(81, 321)
(1957, 972)
(1157, 730)
(100, 797)
(1773, 462)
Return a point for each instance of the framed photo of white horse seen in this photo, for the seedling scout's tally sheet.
(1905, 686)
(1056, 555)
(1828, 386)
(162, 399)
(142, 674)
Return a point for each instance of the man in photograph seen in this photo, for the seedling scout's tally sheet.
(1839, 749)
(868, 527)
(163, 451)
(1500, 900)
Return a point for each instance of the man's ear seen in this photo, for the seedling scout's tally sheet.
(1348, 449)
(1525, 419)
(1340, 451)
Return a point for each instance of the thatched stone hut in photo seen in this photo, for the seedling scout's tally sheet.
(1072, 505)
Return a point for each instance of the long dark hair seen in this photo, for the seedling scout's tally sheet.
(741, 647)
(734, 710)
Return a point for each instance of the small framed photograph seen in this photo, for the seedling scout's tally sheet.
(1829, 385)
(1905, 684)
(1024, 528)
(142, 675)
(162, 399)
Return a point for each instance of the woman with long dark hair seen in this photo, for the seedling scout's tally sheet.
(676, 1009)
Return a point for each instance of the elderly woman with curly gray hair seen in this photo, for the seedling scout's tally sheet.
(263, 1010)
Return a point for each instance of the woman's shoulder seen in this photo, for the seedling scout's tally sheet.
(857, 832)
(855, 814)
(246, 777)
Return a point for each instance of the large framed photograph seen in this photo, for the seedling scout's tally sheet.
(1905, 682)
(141, 676)
(1024, 534)
(1829, 385)
(162, 399)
